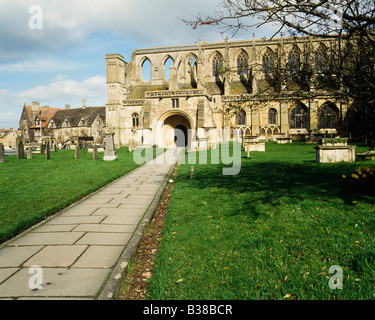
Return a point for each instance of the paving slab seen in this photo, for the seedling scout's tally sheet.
(109, 238)
(56, 256)
(16, 256)
(83, 251)
(108, 256)
(56, 282)
(40, 238)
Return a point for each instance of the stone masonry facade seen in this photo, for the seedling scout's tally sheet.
(208, 87)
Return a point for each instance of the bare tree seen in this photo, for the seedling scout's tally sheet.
(351, 23)
(323, 18)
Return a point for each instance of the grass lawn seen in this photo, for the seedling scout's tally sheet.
(31, 190)
(271, 232)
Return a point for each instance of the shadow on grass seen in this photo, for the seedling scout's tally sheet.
(270, 184)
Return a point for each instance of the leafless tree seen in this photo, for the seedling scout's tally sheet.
(349, 22)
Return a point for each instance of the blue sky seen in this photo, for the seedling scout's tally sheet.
(64, 62)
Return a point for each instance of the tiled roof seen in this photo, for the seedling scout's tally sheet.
(74, 116)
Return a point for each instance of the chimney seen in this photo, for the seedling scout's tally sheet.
(67, 106)
(2, 129)
(35, 106)
(84, 104)
(11, 129)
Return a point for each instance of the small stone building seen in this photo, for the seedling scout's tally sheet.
(205, 88)
(62, 125)
(8, 138)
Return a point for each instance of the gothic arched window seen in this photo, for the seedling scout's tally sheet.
(272, 116)
(298, 117)
(217, 65)
(294, 60)
(241, 118)
(135, 119)
(242, 65)
(268, 62)
(321, 59)
(328, 116)
(146, 70)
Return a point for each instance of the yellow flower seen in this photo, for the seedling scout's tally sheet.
(354, 176)
(343, 176)
(363, 176)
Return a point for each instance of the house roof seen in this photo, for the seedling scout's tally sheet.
(45, 115)
(74, 116)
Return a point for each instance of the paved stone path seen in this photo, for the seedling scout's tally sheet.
(83, 251)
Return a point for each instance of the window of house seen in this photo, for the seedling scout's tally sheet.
(272, 116)
(175, 103)
(135, 119)
(241, 118)
(242, 65)
(298, 117)
(321, 59)
(217, 65)
(37, 122)
(268, 62)
(167, 65)
(294, 60)
(328, 116)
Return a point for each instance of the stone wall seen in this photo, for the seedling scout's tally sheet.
(208, 102)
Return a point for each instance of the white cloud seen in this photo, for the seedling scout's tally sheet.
(69, 23)
(42, 65)
(59, 92)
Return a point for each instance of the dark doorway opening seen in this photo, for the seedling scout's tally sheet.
(181, 136)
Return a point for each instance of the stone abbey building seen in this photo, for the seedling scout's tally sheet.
(254, 86)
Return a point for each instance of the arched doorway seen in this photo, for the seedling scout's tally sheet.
(181, 136)
(175, 128)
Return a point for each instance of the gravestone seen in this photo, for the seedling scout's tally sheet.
(53, 146)
(41, 148)
(77, 152)
(110, 153)
(29, 153)
(2, 151)
(95, 152)
(48, 151)
(20, 150)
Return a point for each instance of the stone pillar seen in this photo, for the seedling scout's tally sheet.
(20, 150)
(95, 152)
(2, 152)
(30, 153)
(110, 152)
(284, 118)
(314, 126)
(48, 151)
(77, 152)
(41, 148)
(255, 119)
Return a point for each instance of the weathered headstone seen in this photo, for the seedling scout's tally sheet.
(48, 151)
(77, 152)
(110, 153)
(53, 146)
(20, 150)
(95, 152)
(29, 153)
(41, 148)
(2, 151)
